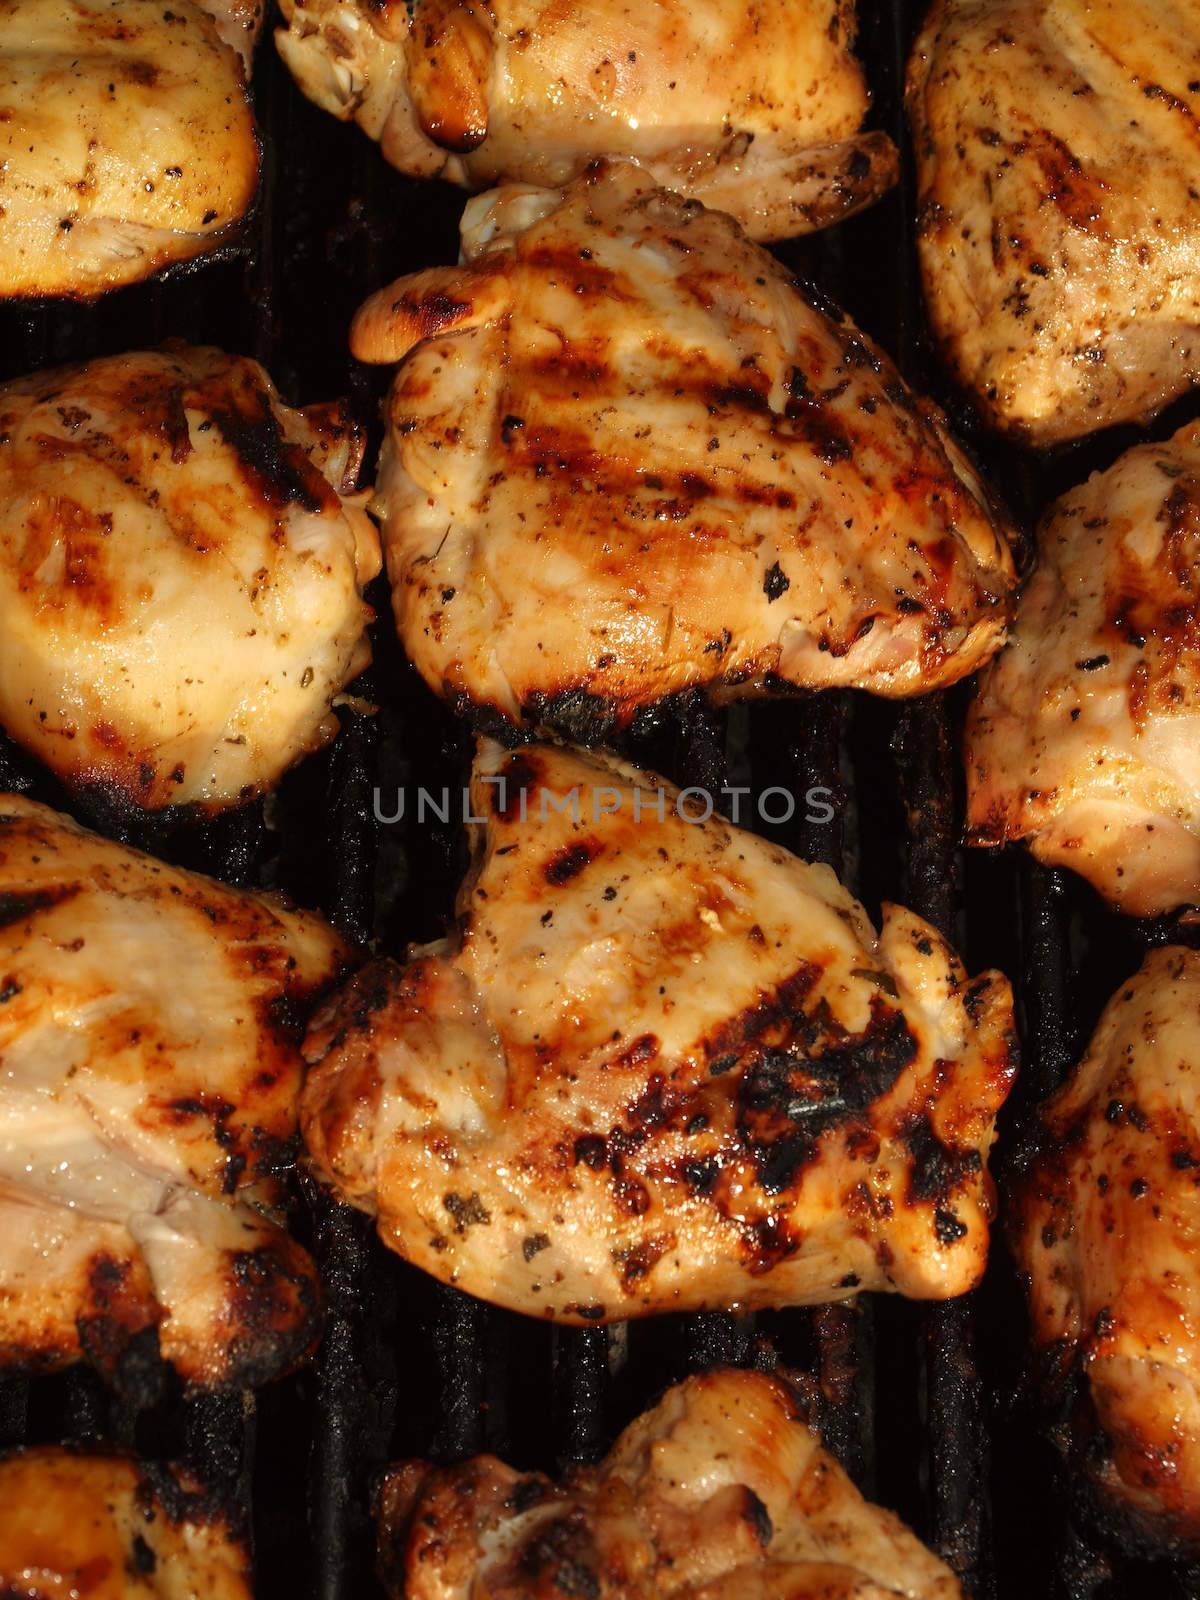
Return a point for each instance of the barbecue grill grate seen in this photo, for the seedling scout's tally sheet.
(919, 1402)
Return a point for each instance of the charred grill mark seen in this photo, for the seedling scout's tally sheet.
(17, 905)
(570, 861)
(823, 1078)
(114, 1314)
(938, 1171)
(275, 1305)
(510, 798)
(279, 472)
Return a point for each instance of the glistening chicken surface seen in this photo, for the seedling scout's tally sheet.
(753, 106)
(1105, 1224)
(660, 1066)
(1082, 739)
(182, 558)
(720, 1492)
(149, 1079)
(628, 455)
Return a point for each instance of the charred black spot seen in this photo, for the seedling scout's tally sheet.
(585, 718)
(776, 582)
(468, 1211)
(947, 1227)
(528, 1493)
(141, 1558)
(533, 1244)
(561, 1558)
(570, 861)
(591, 1151)
(822, 1078)
(938, 1170)
(759, 1518)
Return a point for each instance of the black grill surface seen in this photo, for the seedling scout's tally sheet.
(923, 1403)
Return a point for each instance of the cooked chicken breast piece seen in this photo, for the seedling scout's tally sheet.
(127, 141)
(719, 1492)
(627, 455)
(661, 1066)
(76, 1524)
(182, 558)
(753, 108)
(1059, 225)
(1084, 738)
(1105, 1226)
(149, 1080)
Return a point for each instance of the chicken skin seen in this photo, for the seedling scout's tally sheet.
(662, 1065)
(127, 142)
(627, 456)
(182, 559)
(720, 1492)
(1059, 224)
(1105, 1229)
(754, 108)
(1083, 739)
(73, 1524)
(149, 1080)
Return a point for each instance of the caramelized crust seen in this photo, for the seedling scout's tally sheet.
(182, 557)
(1105, 1228)
(73, 1524)
(628, 456)
(663, 1065)
(149, 1081)
(127, 141)
(753, 106)
(720, 1492)
(1059, 224)
(1082, 739)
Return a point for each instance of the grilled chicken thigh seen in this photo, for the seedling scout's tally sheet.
(1059, 228)
(149, 1080)
(627, 456)
(754, 108)
(1085, 735)
(662, 1065)
(126, 138)
(720, 1492)
(181, 566)
(73, 1524)
(1106, 1225)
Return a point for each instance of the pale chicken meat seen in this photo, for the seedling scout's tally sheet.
(1059, 222)
(720, 1492)
(182, 558)
(627, 456)
(127, 141)
(1084, 739)
(75, 1524)
(149, 1082)
(1105, 1226)
(754, 108)
(661, 1065)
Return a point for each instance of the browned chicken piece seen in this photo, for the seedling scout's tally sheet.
(75, 1524)
(1084, 738)
(720, 1492)
(182, 558)
(127, 142)
(149, 1080)
(627, 455)
(1059, 224)
(753, 106)
(661, 1066)
(1105, 1227)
